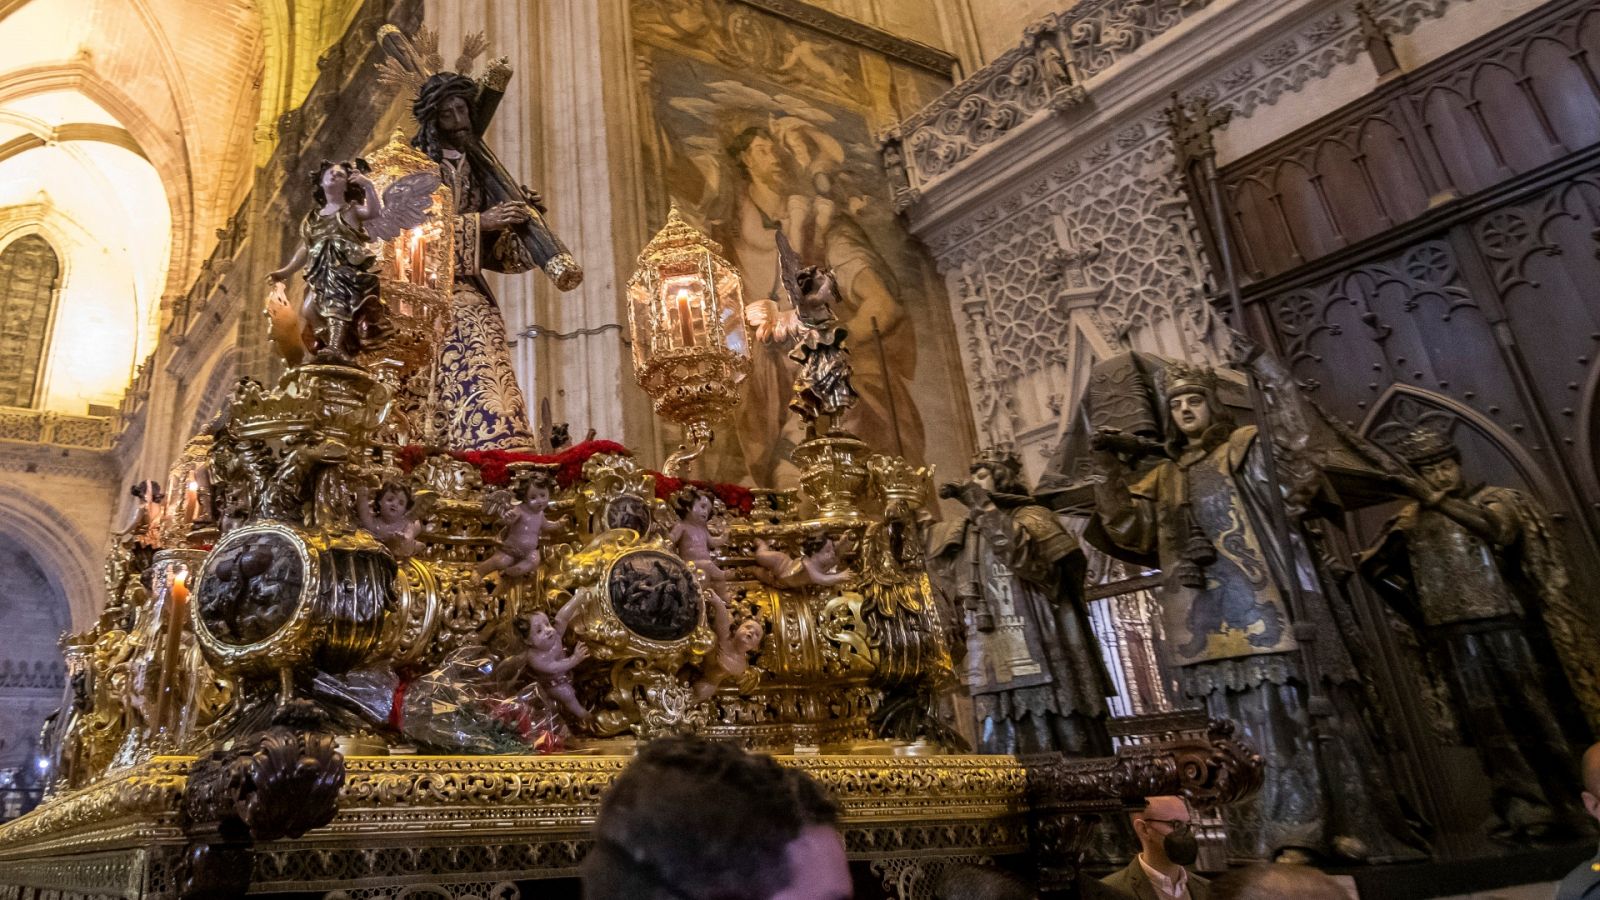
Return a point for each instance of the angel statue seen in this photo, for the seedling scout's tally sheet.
(822, 389)
(343, 311)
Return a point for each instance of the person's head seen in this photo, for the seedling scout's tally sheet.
(1163, 831)
(394, 501)
(694, 504)
(821, 548)
(747, 637)
(998, 471)
(1192, 404)
(1191, 412)
(538, 633)
(755, 152)
(332, 179)
(1435, 457)
(1274, 881)
(692, 819)
(1591, 780)
(538, 490)
(969, 882)
(443, 110)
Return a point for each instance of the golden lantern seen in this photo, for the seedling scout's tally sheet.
(416, 274)
(691, 347)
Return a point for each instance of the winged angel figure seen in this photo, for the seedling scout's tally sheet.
(822, 388)
(343, 313)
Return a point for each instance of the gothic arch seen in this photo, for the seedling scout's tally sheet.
(30, 285)
(59, 547)
(1405, 406)
(219, 379)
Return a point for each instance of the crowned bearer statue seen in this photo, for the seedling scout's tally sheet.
(1203, 510)
(1477, 570)
(498, 226)
(1033, 668)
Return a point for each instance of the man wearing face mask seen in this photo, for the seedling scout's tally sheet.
(1167, 846)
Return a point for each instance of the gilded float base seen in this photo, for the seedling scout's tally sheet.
(476, 822)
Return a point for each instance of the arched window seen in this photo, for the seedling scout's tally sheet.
(29, 277)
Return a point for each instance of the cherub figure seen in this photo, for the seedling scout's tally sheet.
(818, 565)
(519, 547)
(395, 517)
(549, 660)
(694, 539)
(343, 311)
(729, 660)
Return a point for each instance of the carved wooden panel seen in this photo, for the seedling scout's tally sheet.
(1523, 97)
(1474, 304)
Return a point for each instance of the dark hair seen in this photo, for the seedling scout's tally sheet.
(353, 193)
(435, 92)
(742, 141)
(1271, 881)
(686, 497)
(1006, 479)
(148, 491)
(395, 486)
(694, 818)
(811, 544)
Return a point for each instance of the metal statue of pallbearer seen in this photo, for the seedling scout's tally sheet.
(1478, 571)
(499, 226)
(1256, 629)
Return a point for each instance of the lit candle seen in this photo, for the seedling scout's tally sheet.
(416, 255)
(180, 586)
(191, 500)
(685, 321)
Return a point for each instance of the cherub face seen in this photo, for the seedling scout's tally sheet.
(538, 496)
(827, 554)
(748, 635)
(392, 504)
(541, 634)
(701, 510)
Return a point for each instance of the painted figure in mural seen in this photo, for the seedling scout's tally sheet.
(481, 405)
(1479, 573)
(1033, 667)
(1203, 511)
(783, 174)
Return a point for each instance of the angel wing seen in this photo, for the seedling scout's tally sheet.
(789, 267)
(422, 503)
(405, 205)
(772, 325)
(500, 503)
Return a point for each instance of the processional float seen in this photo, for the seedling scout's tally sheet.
(351, 658)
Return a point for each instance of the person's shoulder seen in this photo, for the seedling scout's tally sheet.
(1124, 878)
(1582, 883)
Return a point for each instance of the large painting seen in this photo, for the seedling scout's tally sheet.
(784, 138)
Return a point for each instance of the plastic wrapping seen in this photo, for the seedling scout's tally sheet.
(461, 706)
